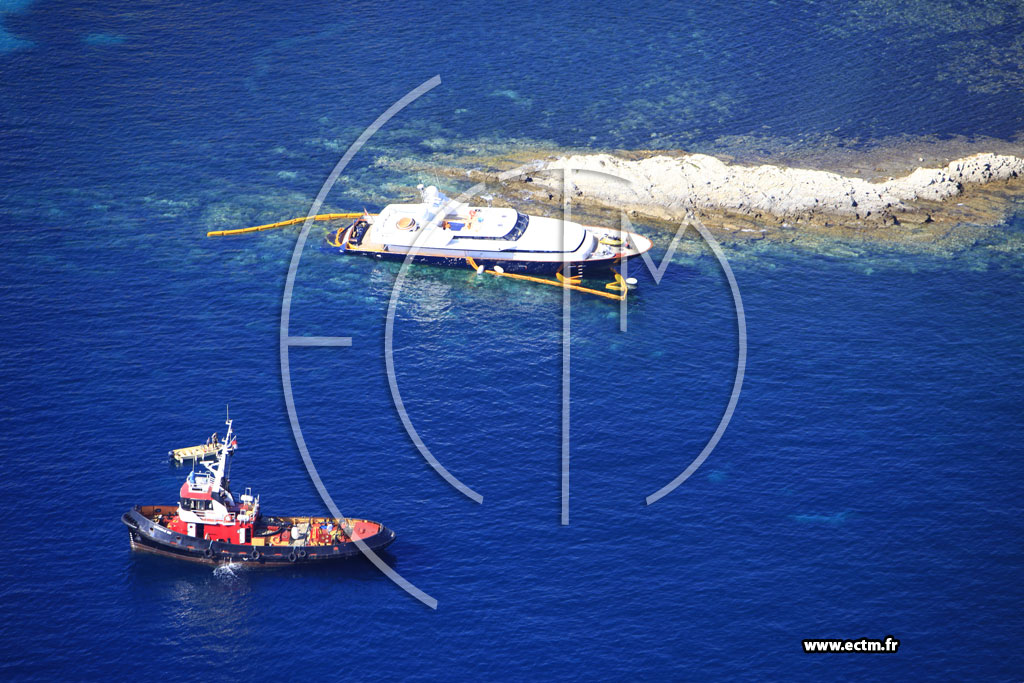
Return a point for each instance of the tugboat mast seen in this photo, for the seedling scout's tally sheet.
(221, 471)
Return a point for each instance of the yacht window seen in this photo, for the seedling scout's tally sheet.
(519, 228)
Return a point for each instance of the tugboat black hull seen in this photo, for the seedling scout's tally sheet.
(149, 536)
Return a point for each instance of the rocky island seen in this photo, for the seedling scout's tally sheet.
(668, 187)
(947, 208)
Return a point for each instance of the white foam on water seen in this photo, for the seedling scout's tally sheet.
(230, 570)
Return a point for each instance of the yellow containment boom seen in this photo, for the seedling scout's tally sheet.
(290, 221)
(572, 282)
(567, 283)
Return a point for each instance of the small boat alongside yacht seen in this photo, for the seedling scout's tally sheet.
(443, 232)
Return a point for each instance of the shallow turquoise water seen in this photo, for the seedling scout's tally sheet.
(868, 485)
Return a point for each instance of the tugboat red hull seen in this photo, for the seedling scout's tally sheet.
(147, 534)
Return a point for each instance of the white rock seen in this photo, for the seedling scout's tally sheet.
(702, 181)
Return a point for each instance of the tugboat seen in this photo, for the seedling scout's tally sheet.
(504, 239)
(209, 524)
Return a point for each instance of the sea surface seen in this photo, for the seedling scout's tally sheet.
(870, 482)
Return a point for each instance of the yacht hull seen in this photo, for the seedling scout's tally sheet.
(509, 265)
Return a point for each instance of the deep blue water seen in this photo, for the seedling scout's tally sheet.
(869, 484)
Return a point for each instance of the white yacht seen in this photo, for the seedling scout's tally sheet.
(448, 233)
